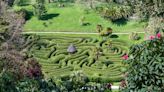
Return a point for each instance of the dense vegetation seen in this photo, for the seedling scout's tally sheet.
(146, 64)
(18, 72)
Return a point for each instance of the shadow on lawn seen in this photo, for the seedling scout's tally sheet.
(114, 36)
(120, 22)
(29, 15)
(86, 24)
(49, 16)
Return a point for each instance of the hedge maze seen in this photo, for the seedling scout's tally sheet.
(99, 60)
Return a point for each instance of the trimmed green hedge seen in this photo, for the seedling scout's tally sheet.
(57, 62)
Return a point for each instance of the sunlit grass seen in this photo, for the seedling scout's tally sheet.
(68, 20)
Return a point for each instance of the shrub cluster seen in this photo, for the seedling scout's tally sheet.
(146, 62)
(114, 11)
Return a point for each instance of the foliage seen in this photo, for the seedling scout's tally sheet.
(115, 11)
(19, 73)
(147, 8)
(78, 82)
(21, 2)
(155, 24)
(97, 52)
(134, 36)
(78, 79)
(39, 85)
(99, 28)
(27, 85)
(7, 82)
(39, 9)
(33, 69)
(3, 25)
(107, 32)
(151, 11)
(146, 62)
(73, 82)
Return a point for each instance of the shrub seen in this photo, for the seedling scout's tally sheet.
(106, 33)
(7, 82)
(99, 28)
(34, 69)
(27, 85)
(3, 27)
(40, 85)
(78, 79)
(74, 82)
(134, 36)
(146, 62)
(115, 11)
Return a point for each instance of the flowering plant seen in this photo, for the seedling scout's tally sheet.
(146, 68)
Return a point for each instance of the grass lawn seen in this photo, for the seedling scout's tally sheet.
(67, 20)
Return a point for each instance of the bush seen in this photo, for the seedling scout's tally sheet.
(7, 82)
(146, 62)
(106, 32)
(115, 11)
(134, 36)
(27, 85)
